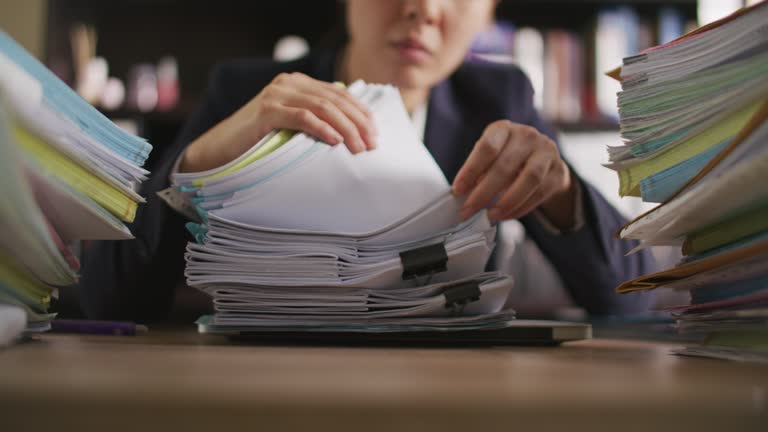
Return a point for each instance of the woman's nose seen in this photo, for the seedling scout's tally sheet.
(426, 11)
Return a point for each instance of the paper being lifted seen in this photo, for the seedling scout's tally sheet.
(312, 186)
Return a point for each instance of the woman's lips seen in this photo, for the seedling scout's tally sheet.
(412, 51)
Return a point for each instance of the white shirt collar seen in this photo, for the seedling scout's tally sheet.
(419, 120)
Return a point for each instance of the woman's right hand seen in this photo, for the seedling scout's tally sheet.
(291, 101)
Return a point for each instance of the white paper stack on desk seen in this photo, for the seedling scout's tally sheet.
(237, 253)
(299, 233)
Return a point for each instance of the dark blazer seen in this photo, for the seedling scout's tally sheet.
(136, 279)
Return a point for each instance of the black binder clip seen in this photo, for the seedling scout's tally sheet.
(458, 296)
(424, 261)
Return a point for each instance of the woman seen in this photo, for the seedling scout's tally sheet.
(478, 122)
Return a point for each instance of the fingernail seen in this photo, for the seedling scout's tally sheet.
(362, 145)
(498, 139)
(465, 213)
(459, 188)
(372, 144)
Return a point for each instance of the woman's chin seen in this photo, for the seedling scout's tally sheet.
(404, 77)
(413, 78)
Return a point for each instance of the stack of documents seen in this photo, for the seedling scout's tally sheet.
(296, 234)
(68, 174)
(683, 102)
(707, 113)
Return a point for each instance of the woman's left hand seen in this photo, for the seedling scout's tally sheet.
(522, 170)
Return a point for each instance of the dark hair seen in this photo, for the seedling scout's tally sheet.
(337, 34)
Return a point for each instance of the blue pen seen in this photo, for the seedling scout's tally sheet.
(118, 328)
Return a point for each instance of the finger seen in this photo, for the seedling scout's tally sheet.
(531, 181)
(343, 93)
(557, 180)
(331, 114)
(486, 150)
(529, 205)
(508, 205)
(502, 173)
(306, 121)
(309, 83)
(355, 110)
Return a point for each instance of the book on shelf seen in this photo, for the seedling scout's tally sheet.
(566, 65)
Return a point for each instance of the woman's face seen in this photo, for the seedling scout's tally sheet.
(412, 43)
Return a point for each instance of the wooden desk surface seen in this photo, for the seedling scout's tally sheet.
(184, 381)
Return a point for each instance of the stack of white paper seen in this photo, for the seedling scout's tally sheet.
(323, 306)
(238, 253)
(296, 232)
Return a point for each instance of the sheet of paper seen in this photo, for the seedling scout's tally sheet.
(74, 215)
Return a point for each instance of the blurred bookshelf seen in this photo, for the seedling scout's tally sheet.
(197, 34)
(566, 47)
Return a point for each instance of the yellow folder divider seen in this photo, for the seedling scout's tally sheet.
(77, 176)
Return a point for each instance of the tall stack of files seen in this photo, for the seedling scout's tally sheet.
(296, 235)
(695, 117)
(68, 174)
(683, 102)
